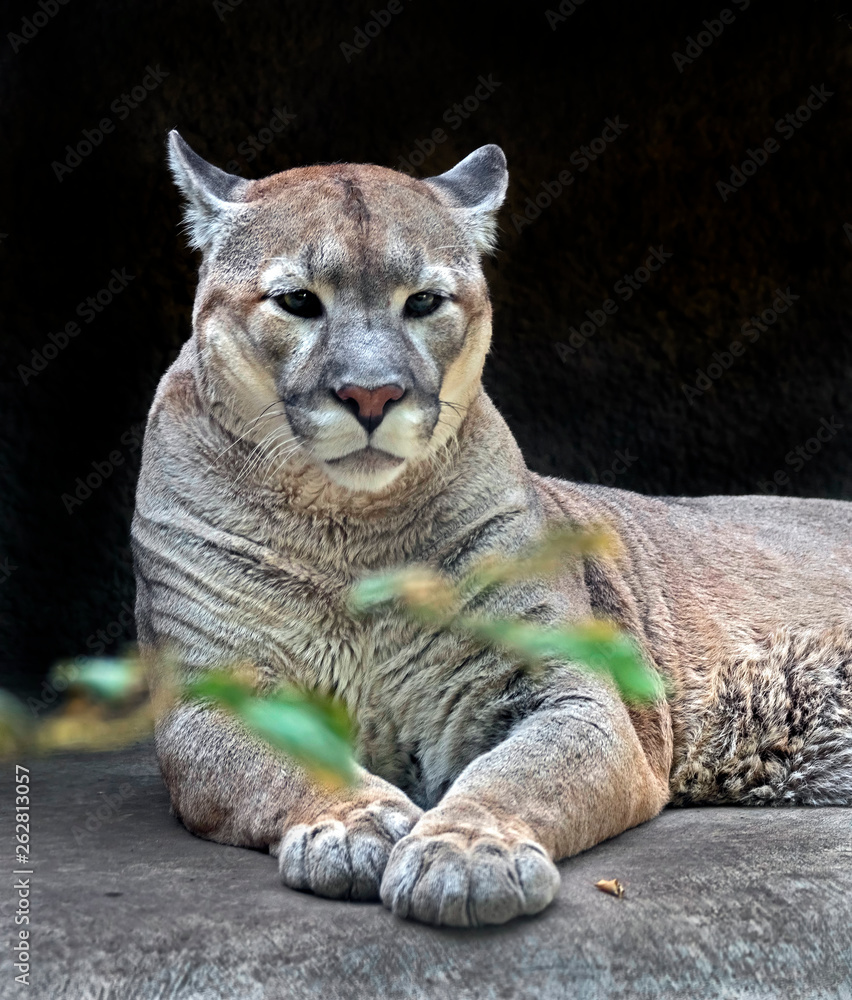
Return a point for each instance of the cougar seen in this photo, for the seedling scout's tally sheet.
(326, 421)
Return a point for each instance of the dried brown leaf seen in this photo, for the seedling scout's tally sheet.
(611, 886)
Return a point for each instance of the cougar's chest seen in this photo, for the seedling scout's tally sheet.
(353, 659)
(323, 643)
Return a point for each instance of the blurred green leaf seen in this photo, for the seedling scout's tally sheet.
(301, 730)
(312, 728)
(374, 591)
(104, 709)
(334, 713)
(419, 588)
(15, 723)
(112, 679)
(546, 557)
(220, 686)
(595, 645)
(429, 597)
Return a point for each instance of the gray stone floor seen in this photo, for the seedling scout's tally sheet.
(730, 903)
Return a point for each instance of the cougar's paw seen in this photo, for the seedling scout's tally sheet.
(343, 855)
(463, 881)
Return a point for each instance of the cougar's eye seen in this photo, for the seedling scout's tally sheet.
(300, 303)
(422, 303)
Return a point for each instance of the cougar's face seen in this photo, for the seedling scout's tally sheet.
(343, 315)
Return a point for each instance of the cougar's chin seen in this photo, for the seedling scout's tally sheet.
(367, 469)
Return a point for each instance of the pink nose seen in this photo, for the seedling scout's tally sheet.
(371, 402)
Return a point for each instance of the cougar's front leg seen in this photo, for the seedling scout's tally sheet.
(227, 786)
(570, 775)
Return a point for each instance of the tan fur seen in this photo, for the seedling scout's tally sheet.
(249, 530)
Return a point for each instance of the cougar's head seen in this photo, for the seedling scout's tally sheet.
(342, 317)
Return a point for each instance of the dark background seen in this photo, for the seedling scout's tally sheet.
(64, 576)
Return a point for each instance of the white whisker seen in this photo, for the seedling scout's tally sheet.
(249, 428)
(257, 453)
(279, 456)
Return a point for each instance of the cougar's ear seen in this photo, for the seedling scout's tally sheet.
(477, 186)
(208, 190)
